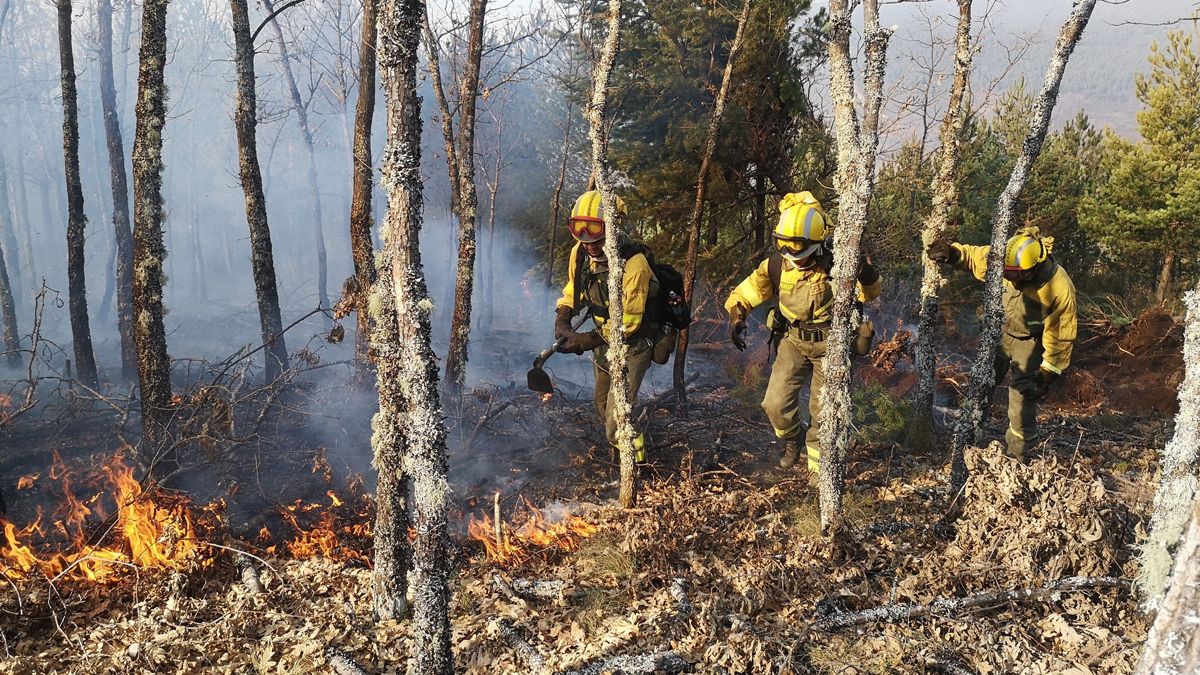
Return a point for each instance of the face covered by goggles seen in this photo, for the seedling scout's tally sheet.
(799, 251)
(1016, 275)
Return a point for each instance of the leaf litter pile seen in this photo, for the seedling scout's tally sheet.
(717, 568)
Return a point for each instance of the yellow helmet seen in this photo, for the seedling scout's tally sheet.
(587, 217)
(802, 226)
(1025, 250)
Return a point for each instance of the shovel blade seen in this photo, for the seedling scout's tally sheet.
(539, 381)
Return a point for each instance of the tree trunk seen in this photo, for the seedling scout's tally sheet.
(969, 427)
(81, 332)
(154, 367)
(25, 231)
(710, 147)
(433, 64)
(423, 422)
(120, 196)
(855, 183)
(489, 312)
(1173, 645)
(1178, 482)
(262, 259)
(460, 323)
(361, 246)
(945, 197)
(8, 316)
(618, 346)
(1165, 274)
(313, 188)
(556, 203)
(8, 229)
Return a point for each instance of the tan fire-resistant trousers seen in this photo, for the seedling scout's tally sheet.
(640, 352)
(1021, 358)
(798, 363)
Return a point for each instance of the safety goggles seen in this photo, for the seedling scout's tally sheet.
(796, 249)
(586, 228)
(1017, 275)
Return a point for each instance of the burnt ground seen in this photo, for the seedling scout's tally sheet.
(742, 537)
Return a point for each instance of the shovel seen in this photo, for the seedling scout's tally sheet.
(537, 379)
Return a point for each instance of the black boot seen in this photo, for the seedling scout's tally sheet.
(791, 452)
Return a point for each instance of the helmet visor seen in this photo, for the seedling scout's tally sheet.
(586, 229)
(1017, 275)
(796, 249)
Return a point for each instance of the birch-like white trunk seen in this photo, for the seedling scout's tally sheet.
(1178, 482)
(969, 426)
(855, 182)
(422, 422)
(710, 148)
(945, 197)
(1173, 645)
(618, 346)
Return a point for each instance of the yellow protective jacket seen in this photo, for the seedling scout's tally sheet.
(1044, 307)
(639, 284)
(804, 295)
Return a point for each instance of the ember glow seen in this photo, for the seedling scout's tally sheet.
(150, 529)
(535, 534)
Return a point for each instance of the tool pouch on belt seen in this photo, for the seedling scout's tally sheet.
(864, 333)
(664, 344)
(778, 327)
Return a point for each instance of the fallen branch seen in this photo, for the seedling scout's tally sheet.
(683, 605)
(249, 574)
(341, 663)
(517, 642)
(542, 589)
(645, 664)
(951, 606)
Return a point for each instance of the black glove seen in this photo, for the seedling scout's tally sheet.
(867, 274)
(943, 253)
(578, 343)
(1037, 386)
(737, 326)
(562, 323)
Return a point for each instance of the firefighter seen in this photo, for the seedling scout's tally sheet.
(797, 273)
(587, 286)
(1039, 323)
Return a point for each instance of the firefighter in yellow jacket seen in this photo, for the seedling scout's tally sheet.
(1039, 323)
(798, 275)
(587, 286)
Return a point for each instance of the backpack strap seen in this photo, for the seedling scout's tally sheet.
(775, 271)
(581, 273)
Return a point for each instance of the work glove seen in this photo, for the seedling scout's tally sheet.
(867, 274)
(578, 343)
(737, 326)
(943, 253)
(562, 323)
(1037, 386)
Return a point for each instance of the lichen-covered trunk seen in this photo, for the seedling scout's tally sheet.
(1173, 644)
(314, 192)
(123, 236)
(81, 332)
(423, 423)
(8, 230)
(154, 367)
(1178, 461)
(618, 346)
(969, 426)
(468, 204)
(361, 247)
(710, 147)
(556, 202)
(945, 196)
(262, 260)
(855, 182)
(8, 317)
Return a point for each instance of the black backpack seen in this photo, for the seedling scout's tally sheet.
(668, 307)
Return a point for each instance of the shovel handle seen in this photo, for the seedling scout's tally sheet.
(548, 352)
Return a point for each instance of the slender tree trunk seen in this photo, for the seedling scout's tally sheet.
(361, 245)
(556, 202)
(8, 230)
(1163, 289)
(433, 64)
(285, 62)
(154, 367)
(8, 316)
(618, 346)
(21, 195)
(945, 197)
(969, 427)
(489, 313)
(123, 236)
(758, 209)
(460, 323)
(81, 332)
(423, 422)
(1177, 486)
(262, 259)
(855, 182)
(710, 147)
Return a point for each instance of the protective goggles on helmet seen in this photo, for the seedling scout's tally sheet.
(796, 248)
(586, 229)
(1017, 275)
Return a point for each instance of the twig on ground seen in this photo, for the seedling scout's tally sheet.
(645, 664)
(249, 574)
(341, 663)
(517, 642)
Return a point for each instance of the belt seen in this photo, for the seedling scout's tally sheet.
(809, 332)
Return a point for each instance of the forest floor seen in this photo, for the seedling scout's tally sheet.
(720, 564)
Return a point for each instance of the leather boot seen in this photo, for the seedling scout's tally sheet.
(791, 452)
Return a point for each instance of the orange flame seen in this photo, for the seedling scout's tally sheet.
(335, 534)
(152, 530)
(26, 482)
(546, 397)
(535, 534)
